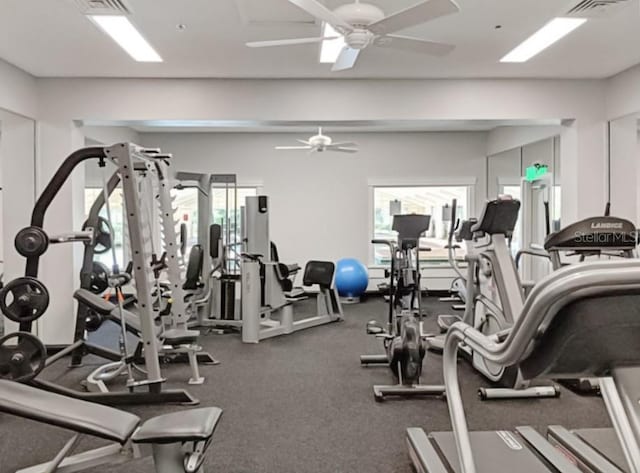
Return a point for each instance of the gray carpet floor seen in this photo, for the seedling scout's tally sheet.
(302, 403)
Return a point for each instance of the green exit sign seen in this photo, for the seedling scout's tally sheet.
(535, 172)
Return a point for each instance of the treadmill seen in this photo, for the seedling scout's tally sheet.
(567, 329)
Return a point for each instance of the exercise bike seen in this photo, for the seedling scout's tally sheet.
(403, 340)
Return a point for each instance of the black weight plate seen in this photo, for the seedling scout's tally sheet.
(29, 299)
(31, 241)
(99, 278)
(21, 361)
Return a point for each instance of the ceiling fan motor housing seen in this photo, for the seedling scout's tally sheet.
(359, 15)
(320, 141)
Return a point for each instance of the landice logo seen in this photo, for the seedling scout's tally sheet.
(607, 226)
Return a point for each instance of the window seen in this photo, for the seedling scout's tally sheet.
(116, 206)
(186, 204)
(221, 200)
(430, 200)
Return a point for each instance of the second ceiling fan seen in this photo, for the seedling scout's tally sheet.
(363, 25)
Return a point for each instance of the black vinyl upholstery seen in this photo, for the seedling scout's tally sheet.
(65, 412)
(319, 272)
(183, 426)
(194, 269)
(588, 337)
(94, 301)
(215, 235)
(284, 271)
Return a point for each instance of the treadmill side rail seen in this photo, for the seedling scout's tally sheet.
(541, 445)
(424, 457)
(581, 451)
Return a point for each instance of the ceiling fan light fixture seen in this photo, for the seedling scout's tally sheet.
(330, 48)
(549, 34)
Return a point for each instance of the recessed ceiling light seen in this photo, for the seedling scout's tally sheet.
(330, 49)
(127, 36)
(553, 31)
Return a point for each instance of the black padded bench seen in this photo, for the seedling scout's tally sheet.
(105, 308)
(166, 431)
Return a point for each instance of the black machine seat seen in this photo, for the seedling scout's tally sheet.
(410, 228)
(595, 233)
(498, 217)
(176, 336)
(194, 269)
(606, 327)
(94, 301)
(320, 273)
(285, 272)
(184, 426)
(65, 412)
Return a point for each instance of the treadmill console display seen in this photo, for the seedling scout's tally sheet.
(595, 233)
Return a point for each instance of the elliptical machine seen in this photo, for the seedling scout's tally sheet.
(403, 339)
(495, 298)
(462, 284)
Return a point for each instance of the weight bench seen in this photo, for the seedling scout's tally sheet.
(173, 341)
(178, 440)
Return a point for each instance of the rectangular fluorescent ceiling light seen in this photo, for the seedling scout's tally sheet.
(127, 36)
(331, 48)
(553, 31)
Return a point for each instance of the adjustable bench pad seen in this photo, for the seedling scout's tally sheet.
(66, 412)
(94, 301)
(183, 426)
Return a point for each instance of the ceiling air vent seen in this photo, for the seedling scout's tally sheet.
(598, 8)
(104, 7)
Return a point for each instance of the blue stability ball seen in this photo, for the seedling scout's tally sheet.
(352, 278)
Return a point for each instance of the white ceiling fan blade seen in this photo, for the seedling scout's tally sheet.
(293, 147)
(287, 42)
(345, 144)
(416, 45)
(318, 10)
(304, 142)
(344, 150)
(415, 15)
(346, 60)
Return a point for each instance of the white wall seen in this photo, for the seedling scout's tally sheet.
(623, 93)
(17, 164)
(624, 168)
(506, 138)
(109, 135)
(320, 204)
(18, 91)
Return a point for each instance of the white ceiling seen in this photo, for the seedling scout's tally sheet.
(361, 126)
(51, 38)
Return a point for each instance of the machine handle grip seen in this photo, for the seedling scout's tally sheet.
(382, 242)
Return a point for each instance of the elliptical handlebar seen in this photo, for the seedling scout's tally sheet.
(392, 249)
(450, 247)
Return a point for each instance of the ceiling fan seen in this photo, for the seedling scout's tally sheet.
(363, 25)
(319, 143)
